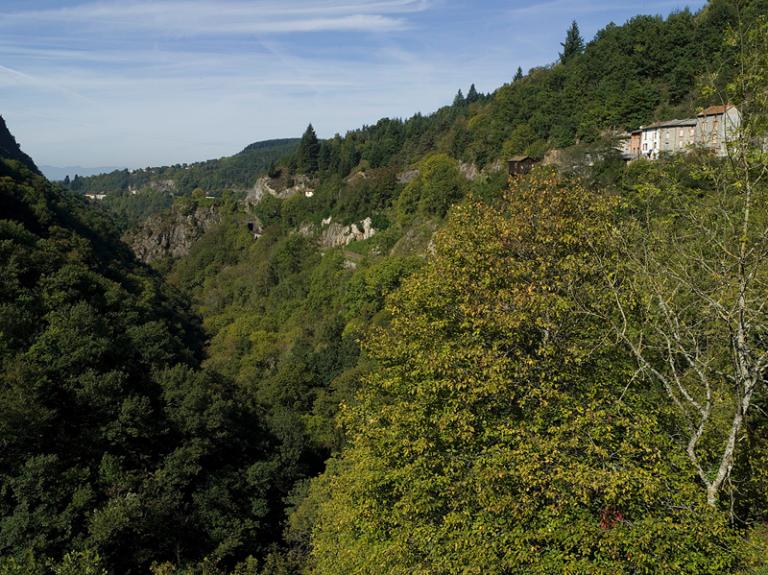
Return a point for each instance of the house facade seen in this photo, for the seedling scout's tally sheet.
(677, 136)
(634, 143)
(630, 144)
(716, 126)
(649, 141)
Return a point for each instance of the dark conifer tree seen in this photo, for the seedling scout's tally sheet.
(472, 95)
(308, 153)
(459, 99)
(574, 43)
(518, 74)
(66, 181)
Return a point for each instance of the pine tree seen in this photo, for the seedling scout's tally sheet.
(308, 153)
(574, 43)
(66, 181)
(472, 95)
(459, 99)
(518, 74)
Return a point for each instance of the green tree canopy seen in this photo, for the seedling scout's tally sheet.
(438, 185)
(110, 436)
(308, 154)
(573, 45)
(472, 95)
(498, 434)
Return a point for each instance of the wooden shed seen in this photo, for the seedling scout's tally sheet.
(520, 165)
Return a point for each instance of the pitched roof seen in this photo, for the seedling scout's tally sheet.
(678, 123)
(686, 122)
(670, 124)
(716, 110)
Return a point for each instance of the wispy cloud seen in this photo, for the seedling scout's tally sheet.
(233, 17)
(15, 78)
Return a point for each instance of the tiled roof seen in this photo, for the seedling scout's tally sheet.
(671, 124)
(680, 123)
(716, 110)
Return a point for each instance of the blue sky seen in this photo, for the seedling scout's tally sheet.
(153, 82)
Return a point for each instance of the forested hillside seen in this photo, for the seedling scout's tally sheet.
(115, 445)
(9, 149)
(382, 355)
(236, 171)
(134, 195)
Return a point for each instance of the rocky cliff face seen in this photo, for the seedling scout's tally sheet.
(332, 234)
(281, 187)
(469, 171)
(335, 234)
(167, 186)
(172, 233)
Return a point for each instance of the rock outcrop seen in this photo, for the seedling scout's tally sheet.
(469, 171)
(494, 167)
(172, 233)
(408, 176)
(333, 235)
(280, 187)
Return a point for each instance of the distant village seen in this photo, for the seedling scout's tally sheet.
(711, 129)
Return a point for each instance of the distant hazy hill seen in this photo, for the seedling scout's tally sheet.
(239, 171)
(56, 173)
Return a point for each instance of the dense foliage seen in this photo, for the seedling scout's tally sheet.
(498, 434)
(452, 394)
(10, 149)
(111, 436)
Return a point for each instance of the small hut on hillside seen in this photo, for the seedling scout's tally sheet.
(520, 165)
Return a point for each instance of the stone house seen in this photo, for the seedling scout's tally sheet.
(635, 137)
(713, 128)
(629, 145)
(716, 126)
(677, 136)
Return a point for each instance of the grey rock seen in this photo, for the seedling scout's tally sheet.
(408, 176)
(172, 233)
(280, 188)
